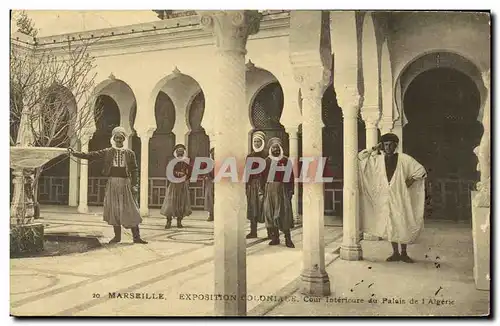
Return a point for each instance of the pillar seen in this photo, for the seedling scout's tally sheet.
(84, 176)
(73, 181)
(145, 136)
(398, 131)
(370, 115)
(311, 59)
(231, 30)
(315, 280)
(481, 199)
(294, 154)
(349, 101)
(17, 197)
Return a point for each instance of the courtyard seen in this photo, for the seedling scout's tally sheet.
(173, 274)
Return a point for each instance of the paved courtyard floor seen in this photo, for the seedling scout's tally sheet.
(178, 263)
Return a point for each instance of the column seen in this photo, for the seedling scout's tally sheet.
(73, 180)
(315, 280)
(370, 115)
(481, 200)
(145, 136)
(351, 249)
(398, 131)
(294, 154)
(84, 175)
(231, 30)
(17, 196)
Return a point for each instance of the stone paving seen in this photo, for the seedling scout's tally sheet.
(180, 261)
(440, 282)
(176, 261)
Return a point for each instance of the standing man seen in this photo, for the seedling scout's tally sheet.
(392, 194)
(255, 187)
(120, 204)
(277, 207)
(177, 203)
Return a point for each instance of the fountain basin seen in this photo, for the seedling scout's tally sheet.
(26, 236)
(58, 244)
(33, 157)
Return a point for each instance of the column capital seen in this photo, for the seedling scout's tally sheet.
(387, 121)
(349, 100)
(292, 131)
(370, 115)
(17, 173)
(231, 28)
(313, 81)
(146, 133)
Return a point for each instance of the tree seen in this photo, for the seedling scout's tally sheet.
(51, 91)
(25, 24)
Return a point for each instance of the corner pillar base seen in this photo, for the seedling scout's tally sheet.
(351, 252)
(315, 283)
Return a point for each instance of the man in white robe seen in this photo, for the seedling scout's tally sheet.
(392, 194)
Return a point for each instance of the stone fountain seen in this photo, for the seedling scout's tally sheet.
(25, 234)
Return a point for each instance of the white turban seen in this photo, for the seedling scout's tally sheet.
(259, 135)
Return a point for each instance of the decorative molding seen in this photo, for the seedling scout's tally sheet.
(231, 28)
(370, 115)
(146, 133)
(162, 37)
(349, 100)
(292, 131)
(313, 81)
(176, 71)
(250, 65)
(386, 125)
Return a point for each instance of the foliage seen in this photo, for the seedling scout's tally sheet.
(51, 85)
(25, 24)
(26, 239)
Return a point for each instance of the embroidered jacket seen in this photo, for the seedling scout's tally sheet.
(108, 155)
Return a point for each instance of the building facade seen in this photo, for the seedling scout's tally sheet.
(154, 78)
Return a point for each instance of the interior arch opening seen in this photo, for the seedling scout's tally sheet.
(442, 106)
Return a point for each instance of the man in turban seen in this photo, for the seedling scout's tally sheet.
(177, 203)
(278, 192)
(120, 200)
(255, 187)
(392, 194)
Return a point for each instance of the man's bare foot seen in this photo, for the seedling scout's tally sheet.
(394, 257)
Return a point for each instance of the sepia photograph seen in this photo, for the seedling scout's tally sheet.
(250, 163)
